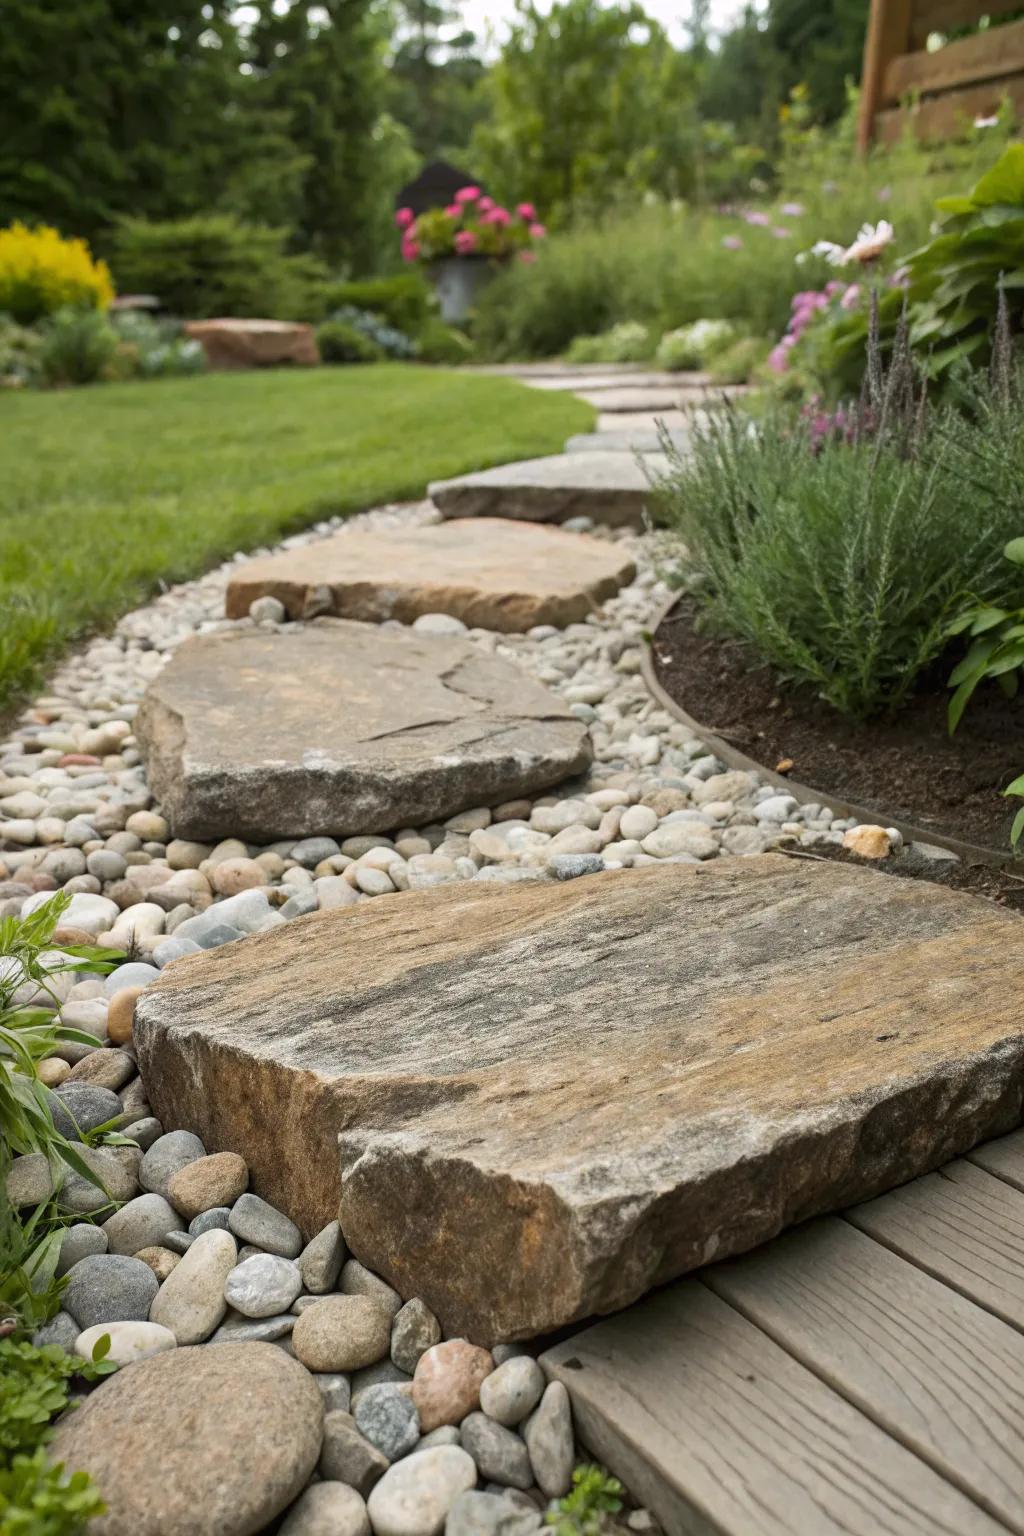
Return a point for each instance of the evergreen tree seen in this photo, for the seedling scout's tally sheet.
(436, 76)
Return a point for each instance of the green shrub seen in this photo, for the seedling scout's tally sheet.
(37, 1499)
(693, 346)
(841, 563)
(739, 362)
(20, 346)
(627, 342)
(440, 343)
(405, 301)
(340, 342)
(389, 341)
(78, 347)
(158, 349)
(41, 272)
(214, 265)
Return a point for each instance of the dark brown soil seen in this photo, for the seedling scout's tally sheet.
(908, 768)
(998, 885)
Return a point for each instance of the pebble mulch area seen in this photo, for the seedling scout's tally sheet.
(476, 1439)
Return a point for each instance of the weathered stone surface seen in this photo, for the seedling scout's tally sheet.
(659, 398)
(489, 572)
(609, 487)
(341, 727)
(197, 1440)
(553, 1097)
(233, 343)
(626, 441)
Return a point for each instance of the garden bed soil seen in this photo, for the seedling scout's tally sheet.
(995, 884)
(908, 768)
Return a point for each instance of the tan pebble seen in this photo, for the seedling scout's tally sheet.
(52, 1071)
(342, 1333)
(210, 1181)
(67, 935)
(121, 1014)
(160, 1260)
(230, 876)
(868, 842)
(446, 1386)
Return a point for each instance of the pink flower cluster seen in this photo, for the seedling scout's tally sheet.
(803, 308)
(475, 213)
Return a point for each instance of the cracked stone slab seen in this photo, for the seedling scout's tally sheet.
(337, 727)
(492, 573)
(549, 1099)
(609, 487)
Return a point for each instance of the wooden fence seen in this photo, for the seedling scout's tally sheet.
(937, 92)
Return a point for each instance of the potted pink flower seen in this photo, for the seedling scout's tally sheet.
(463, 245)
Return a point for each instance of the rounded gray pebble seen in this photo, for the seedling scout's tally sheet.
(263, 1286)
(82, 1107)
(387, 1417)
(166, 1155)
(77, 1243)
(500, 1455)
(134, 974)
(142, 1223)
(109, 1288)
(216, 1216)
(256, 1221)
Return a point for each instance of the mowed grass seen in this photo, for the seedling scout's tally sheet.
(108, 492)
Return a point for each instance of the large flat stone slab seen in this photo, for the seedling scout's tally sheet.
(490, 572)
(609, 487)
(665, 397)
(553, 1097)
(255, 343)
(338, 727)
(626, 442)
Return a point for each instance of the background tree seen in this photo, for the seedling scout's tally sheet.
(436, 73)
(585, 103)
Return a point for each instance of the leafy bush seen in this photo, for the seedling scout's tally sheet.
(214, 265)
(19, 352)
(78, 347)
(693, 346)
(37, 1499)
(440, 343)
(40, 272)
(627, 342)
(341, 342)
(158, 349)
(840, 555)
(405, 302)
(389, 341)
(997, 647)
(740, 361)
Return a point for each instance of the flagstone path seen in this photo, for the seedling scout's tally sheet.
(470, 1043)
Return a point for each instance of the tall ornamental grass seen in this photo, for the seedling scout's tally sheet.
(667, 266)
(841, 563)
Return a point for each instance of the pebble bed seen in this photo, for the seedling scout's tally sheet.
(476, 1440)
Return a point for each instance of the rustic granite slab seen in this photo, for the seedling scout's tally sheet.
(609, 487)
(233, 343)
(626, 441)
(552, 1097)
(491, 573)
(336, 727)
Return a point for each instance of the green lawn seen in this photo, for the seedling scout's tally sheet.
(106, 491)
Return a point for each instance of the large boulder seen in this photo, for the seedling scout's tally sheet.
(232, 343)
(338, 727)
(550, 1098)
(196, 1440)
(488, 572)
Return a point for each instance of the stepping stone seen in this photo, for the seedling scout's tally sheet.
(605, 380)
(336, 728)
(625, 442)
(644, 421)
(609, 487)
(662, 398)
(489, 572)
(553, 1097)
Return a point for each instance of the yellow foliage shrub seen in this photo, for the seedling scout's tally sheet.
(40, 272)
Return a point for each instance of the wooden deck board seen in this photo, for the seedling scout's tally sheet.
(962, 1225)
(937, 1372)
(719, 1430)
(1004, 1158)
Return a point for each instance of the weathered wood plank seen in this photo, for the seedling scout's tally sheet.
(984, 56)
(939, 1373)
(961, 1225)
(721, 1433)
(1004, 1158)
(946, 15)
(888, 34)
(942, 117)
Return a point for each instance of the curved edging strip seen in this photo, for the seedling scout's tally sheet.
(971, 853)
